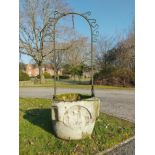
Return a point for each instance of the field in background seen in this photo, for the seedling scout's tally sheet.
(67, 83)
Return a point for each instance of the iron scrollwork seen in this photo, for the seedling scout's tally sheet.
(92, 22)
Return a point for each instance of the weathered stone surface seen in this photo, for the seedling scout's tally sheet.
(75, 120)
(77, 117)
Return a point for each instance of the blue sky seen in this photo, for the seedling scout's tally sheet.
(113, 16)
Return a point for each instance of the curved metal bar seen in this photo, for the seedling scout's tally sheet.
(94, 33)
(87, 13)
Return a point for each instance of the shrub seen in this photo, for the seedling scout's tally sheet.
(64, 77)
(61, 77)
(47, 75)
(115, 77)
(23, 76)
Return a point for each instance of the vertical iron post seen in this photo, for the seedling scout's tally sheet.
(54, 57)
(92, 72)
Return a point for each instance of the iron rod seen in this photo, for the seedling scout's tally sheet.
(92, 73)
(54, 60)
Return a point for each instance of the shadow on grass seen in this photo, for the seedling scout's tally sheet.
(41, 118)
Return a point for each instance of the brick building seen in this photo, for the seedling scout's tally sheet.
(32, 70)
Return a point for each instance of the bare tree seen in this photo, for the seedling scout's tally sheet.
(59, 58)
(79, 52)
(116, 59)
(74, 55)
(35, 31)
(126, 57)
(104, 44)
(78, 56)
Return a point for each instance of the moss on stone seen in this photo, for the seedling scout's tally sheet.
(71, 97)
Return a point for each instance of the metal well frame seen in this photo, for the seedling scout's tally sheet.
(94, 34)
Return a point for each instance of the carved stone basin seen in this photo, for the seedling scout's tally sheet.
(75, 119)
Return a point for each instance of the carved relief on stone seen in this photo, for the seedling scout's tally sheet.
(77, 117)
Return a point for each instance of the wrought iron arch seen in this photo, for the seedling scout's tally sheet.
(94, 34)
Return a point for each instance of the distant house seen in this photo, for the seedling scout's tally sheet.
(32, 70)
(86, 74)
(49, 69)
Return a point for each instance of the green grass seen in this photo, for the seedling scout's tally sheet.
(68, 84)
(36, 136)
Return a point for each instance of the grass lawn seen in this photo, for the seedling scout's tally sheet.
(36, 136)
(68, 84)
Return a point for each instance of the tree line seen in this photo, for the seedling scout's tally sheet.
(114, 63)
